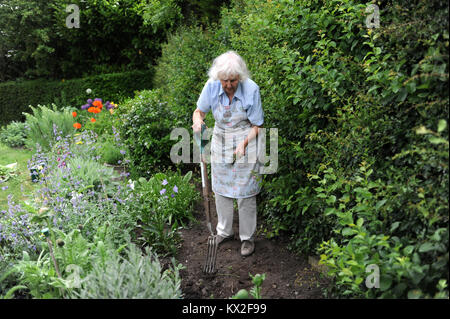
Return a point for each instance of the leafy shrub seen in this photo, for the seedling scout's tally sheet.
(369, 232)
(110, 153)
(14, 134)
(179, 77)
(173, 193)
(145, 130)
(163, 204)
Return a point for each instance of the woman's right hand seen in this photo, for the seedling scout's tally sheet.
(197, 126)
(197, 119)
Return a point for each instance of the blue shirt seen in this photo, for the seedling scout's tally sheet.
(247, 93)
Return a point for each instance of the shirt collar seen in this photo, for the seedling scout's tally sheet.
(238, 94)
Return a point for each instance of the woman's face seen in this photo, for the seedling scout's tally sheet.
(230, 84)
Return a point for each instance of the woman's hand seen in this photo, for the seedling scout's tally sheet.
(197, 119)
(240, 151)
(197, 126)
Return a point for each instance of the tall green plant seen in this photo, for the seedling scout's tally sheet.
(48, 125)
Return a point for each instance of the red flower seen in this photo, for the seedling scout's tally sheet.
(77, 125)
(93, 120)
(74, 114)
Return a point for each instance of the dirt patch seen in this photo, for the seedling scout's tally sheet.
(288, 276)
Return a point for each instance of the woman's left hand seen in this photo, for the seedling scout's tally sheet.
(240, 151)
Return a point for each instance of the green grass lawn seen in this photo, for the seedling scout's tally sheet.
(20, 185)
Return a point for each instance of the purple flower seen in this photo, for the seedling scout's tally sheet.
(123, 153)
(4, 188)
(175, 189)
(89, 101)
(164, 182)
(163, 191)
(108, 105)
(173, 195)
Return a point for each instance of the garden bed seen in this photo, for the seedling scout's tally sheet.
(287, 276)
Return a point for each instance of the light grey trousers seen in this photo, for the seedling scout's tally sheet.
(247, 216)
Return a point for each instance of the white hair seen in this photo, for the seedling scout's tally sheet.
(227, 65)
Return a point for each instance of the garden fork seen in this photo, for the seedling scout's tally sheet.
(211, 255)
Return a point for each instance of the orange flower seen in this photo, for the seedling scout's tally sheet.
(94, 110)
(74, 114)
(93, 120)
(77, 125)
(98, 104)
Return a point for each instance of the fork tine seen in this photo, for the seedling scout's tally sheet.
(208, 249)
(214, 257)
(214, 252)
(211, 255)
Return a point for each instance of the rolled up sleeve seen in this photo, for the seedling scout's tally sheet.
(255, 112)
(204, 101)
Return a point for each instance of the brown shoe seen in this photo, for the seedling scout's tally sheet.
(247, 248)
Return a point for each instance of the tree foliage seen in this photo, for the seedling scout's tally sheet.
(113, 36)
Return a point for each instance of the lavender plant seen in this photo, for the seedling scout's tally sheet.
(17, 233)
(134, 276)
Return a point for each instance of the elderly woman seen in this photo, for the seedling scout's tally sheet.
(235, 102)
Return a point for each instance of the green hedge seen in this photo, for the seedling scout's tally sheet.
(148, 119)
(355, 180)
(16, 97)
(181, 71)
